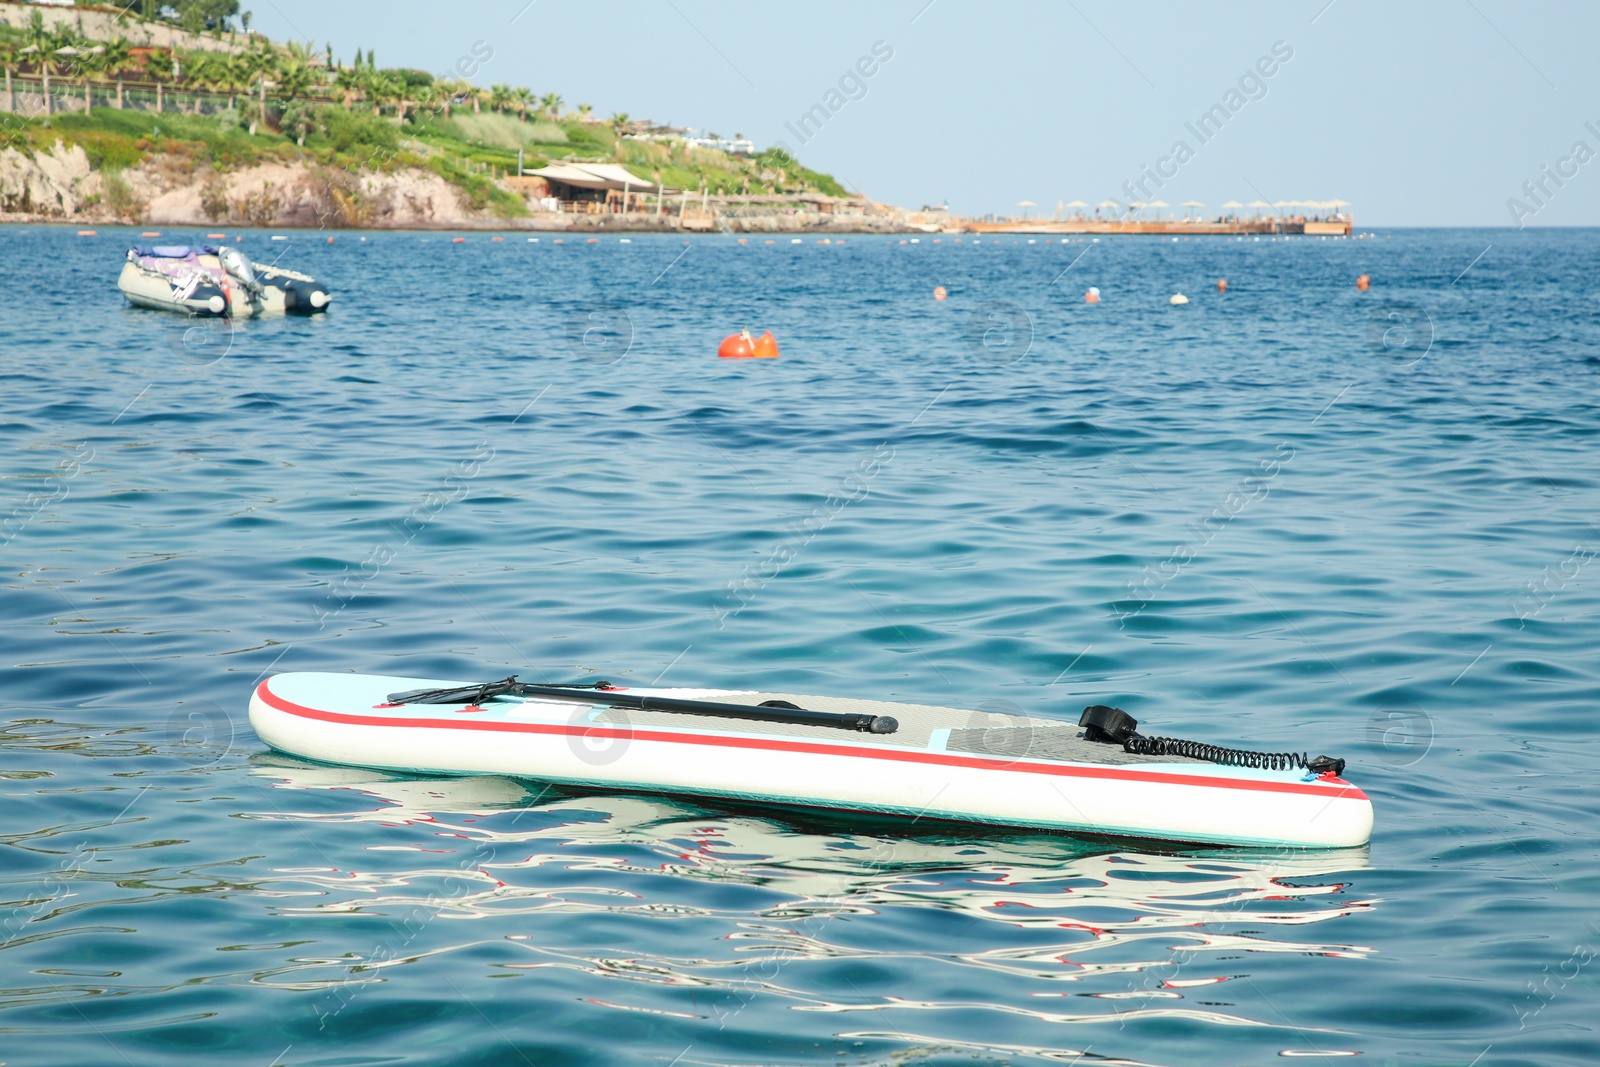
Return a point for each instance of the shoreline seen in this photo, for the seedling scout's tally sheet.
(519, 225)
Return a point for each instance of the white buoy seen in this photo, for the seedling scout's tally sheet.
(1178, 298)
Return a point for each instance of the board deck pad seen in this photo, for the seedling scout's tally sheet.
(979, 732)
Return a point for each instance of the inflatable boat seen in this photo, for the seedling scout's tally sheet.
(213, 280)
(1100, 776)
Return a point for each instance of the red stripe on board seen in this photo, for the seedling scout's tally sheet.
(722, 741)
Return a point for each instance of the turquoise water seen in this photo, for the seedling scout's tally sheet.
(1290, 516)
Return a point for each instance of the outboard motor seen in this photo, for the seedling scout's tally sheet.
(239, 268)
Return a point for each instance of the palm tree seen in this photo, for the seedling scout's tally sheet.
(522, 97)
(117, 54)
(551, 102)
(159, 66)
(8, 59)
(89, 61)
(40, 42)
(257, 63)
(197, 74)
(293, 77)
(454, 88)
(216, 72)
(401, 91)
(383, 87)
(351, 81)
(500, 97)
(300, 52)
(619, 123)
(238, 77)
(584, 111)
(430, 97)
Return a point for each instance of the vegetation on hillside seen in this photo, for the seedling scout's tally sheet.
(265, 101)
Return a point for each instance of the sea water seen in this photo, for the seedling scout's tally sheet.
(1291, 516)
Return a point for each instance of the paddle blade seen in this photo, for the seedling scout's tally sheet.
(464, 694)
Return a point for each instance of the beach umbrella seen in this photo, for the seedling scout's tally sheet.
(1279, 203)
(1108, 203)
(1259, 203)
(1077, 203)
(1338, 203)
(1026, 203)
(1232, 203)
(1191, 203)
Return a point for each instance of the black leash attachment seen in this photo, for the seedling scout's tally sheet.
(605, 693)
(1113, 726)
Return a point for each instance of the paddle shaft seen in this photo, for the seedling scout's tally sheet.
(871, 724)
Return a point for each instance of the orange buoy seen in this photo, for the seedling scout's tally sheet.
(766, 346)
(1363, 283)
(330, 240)
(216, 236)
(1092, 296)
(458, 240)
(737, 346)
(559, 241)
(769, 242)
(744, 240)
(939, 293)
(151, 233)
(1222, 285)
(87, 233)
(593, 241)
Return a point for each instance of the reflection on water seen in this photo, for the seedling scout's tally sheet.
(814, 917)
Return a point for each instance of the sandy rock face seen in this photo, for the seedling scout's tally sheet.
(277, 194)
(412, 198)
(50, 183)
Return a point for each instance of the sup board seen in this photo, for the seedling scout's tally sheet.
(920, 761)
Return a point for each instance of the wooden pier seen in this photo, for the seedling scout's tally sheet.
(1260, 225)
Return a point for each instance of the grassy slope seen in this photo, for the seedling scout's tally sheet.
(460, 149)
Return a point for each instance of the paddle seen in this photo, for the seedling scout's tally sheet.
(600, 693)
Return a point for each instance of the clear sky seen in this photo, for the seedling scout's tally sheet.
(1418, 113)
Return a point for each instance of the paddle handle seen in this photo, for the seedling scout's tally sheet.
(868, 724)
